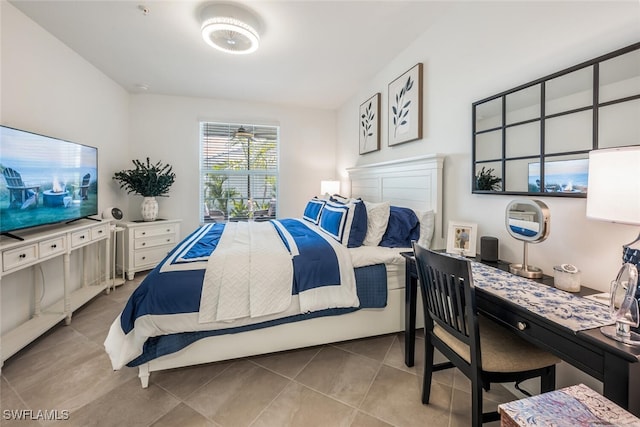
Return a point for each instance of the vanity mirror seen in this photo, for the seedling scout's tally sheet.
(527, 220)
(536, 137)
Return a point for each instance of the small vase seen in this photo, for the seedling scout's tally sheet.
(149, 209)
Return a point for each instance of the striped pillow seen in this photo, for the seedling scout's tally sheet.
(313, 210)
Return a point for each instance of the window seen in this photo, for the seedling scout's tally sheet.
(238, 171)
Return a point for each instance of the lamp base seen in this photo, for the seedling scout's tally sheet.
(527, 271)
(612, 332)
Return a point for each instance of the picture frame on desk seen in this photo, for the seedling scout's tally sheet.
(461, 238)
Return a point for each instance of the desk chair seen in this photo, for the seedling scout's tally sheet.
(483, 350)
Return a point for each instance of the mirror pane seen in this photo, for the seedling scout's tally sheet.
(523, 140)
(570, 91)
(489, 146)
(562, 174)
(569, 132)
(523, 105)
(492, 168)
(619, 124)
(620, 76)
(489, 115)
(517, 174)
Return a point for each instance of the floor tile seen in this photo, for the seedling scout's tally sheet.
(340, 374)
(287, 363)
(298, 405)
(183, 416)
(238, 395)
(181, 382)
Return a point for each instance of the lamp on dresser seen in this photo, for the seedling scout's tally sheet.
(614, 195)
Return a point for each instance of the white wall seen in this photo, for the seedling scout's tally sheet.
(47, 88)
(166, 128)
(481, 49)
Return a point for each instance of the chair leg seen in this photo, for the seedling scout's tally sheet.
(548, 381)
(428, 369)
(476, 401)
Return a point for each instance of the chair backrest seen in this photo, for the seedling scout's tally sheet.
(13, 178)
(448, 296)
(85, 179)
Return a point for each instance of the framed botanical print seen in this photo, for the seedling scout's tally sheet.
(369, 118)
(405, 107)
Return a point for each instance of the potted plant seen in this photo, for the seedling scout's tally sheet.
(149, 181)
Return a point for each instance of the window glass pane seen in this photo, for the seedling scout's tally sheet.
(523, 105)
(489, 115)
(239, 171)
(570, 132)
(620, 76)
(619, 124)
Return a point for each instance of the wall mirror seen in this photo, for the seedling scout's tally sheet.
(528, 221)
(535, 139)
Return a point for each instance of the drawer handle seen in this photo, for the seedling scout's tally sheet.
(100, 231)
(82, 237)
(144, 232)
(144, 257)
(168, 240)
(522, 325)
(144, 244)
(168, 230)
(22, 256)
(54, 246)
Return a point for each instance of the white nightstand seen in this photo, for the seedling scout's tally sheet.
(147, 243)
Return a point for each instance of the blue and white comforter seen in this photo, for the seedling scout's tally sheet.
(168, 301)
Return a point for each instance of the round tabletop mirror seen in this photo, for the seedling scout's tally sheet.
(527, 220)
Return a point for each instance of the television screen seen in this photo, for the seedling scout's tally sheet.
(45, 180)
(560, 176)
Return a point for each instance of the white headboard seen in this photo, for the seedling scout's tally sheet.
(415, 183)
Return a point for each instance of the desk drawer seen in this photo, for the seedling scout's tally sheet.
(562, 342)
(20, 256)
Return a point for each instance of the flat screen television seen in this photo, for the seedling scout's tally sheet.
(45, 180)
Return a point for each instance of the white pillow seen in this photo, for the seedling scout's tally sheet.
(427, 225)
(377, 221)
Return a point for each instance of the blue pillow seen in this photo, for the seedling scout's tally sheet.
(347, 223)
(313, 210)
(403, 227)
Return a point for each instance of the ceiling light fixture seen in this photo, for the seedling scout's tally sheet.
(230, 29)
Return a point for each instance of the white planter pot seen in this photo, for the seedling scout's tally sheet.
(149, 209)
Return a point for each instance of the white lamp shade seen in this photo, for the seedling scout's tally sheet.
(614, 185)
(329, 187)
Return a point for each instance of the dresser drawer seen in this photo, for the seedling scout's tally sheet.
(100, 232)
(80, 238)
(20, 256)
(156, 230)
(150, 242)
(150, 257)
(52, 247)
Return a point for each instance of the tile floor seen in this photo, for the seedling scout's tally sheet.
(355, 383)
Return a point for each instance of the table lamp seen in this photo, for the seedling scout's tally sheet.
(614, 195)
(329, 187)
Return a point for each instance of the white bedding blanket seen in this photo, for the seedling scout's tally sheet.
(248, 275)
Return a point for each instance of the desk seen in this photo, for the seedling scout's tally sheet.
(615, 364)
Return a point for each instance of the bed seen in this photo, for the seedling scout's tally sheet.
(378, 272)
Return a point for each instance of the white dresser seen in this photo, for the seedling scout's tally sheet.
(147, 243)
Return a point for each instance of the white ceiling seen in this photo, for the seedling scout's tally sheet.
(312, 53)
